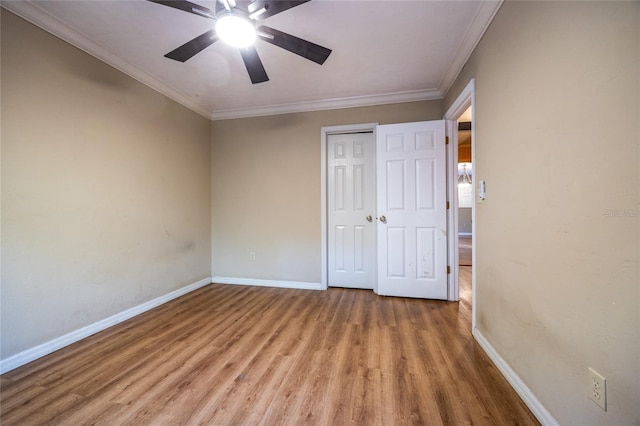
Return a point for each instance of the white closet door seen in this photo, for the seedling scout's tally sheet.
(351, 227)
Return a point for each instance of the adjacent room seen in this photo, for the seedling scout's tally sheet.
(169, 246)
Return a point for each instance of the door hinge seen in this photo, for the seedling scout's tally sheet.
(447, 205)
(448, 269)
(446, 140)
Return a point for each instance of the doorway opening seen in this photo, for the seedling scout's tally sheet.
(465, 204)
(462, 238)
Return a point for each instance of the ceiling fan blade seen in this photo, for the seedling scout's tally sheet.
(186, 6)
(192, 47)
(254, 65)
(293, 44)
(273, 7)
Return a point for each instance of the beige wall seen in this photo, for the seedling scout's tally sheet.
(557, 133)
(266, 189)
(105, 190)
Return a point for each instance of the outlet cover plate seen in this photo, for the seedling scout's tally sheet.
(598, 389)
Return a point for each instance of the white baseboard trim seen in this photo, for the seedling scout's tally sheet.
(267, 283)
(465, 234)
(36, 352)
(538, 410)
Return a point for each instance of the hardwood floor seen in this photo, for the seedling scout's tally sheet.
(239, 355)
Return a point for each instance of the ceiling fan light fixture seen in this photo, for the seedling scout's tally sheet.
(235, 30)
(257, 13)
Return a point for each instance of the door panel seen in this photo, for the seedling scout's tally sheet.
(396, 256)
(395, 187)
(411, 186)
(351, 194)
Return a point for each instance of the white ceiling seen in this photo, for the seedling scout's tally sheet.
(383, 51)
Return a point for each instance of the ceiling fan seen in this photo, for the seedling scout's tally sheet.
(236, 23)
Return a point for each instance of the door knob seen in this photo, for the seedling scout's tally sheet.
(383, 219)
(369, 218)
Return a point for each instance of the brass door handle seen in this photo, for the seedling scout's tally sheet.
(369, 218)
(383, 219)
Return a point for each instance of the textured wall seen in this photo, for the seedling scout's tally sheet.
(105, 190)
(557, 116)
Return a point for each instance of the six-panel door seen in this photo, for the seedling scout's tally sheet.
(411, 193)
(351, 210)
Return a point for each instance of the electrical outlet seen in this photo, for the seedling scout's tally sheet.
(252, 256)
(598, 389)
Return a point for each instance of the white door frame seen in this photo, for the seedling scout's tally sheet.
(466, 99)
(325, 131)
(452, 213)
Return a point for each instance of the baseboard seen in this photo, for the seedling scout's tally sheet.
(465, 234)
(538, 410)
(267, 283)
(36, 352)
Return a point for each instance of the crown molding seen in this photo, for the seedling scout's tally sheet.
(327, 104)
(39, 17)
(31, 12)
(482, 19)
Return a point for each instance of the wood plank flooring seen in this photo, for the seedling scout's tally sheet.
(234, 355)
